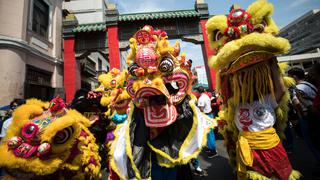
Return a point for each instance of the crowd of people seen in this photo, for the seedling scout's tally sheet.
(304, 111)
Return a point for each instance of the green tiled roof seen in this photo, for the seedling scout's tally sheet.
(89, 27)
(138, 16)
(158, 15)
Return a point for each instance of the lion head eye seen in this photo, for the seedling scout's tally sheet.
(260, 27)
(63, 135)
(113, 83)
(264, 23)
(132, 69)
(166, 65)
(217, 35)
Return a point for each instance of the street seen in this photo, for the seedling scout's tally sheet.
(219, 168)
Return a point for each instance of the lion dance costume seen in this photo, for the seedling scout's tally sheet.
(163, 126)
(49, 142)
(249, 79)
(115, 96)
(116, 99)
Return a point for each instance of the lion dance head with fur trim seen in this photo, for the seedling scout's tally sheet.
(46, 140)
(159, 78)
(245, 42)
(115, 96)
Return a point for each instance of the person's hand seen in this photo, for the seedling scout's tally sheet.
(274, 65)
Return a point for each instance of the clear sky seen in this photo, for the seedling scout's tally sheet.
(285, 11)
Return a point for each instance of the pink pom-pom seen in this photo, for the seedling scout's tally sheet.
(14, 142)
(43, 149)
(29, 131)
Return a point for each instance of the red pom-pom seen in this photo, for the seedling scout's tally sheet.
(30, 131)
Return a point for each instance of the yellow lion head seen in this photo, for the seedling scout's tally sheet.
(159, 77)
(245, 39)
(44, 140)
(243, 32)
(113, 86)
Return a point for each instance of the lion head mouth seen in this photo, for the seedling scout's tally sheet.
(248, 59)
(249, 50)
(158, 108)
(122, 105)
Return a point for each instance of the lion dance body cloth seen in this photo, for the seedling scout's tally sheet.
(254, 90)
(48, 141)
(164, 126)
(116, 99)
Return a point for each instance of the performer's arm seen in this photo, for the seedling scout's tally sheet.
(201, 108)
(279, 86)
(297, 106)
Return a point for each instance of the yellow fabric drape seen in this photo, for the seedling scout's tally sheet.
(252, 81)
(265, 139)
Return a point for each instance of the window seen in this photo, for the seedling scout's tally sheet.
(99, 65)
(85, 41)
(38, 77)
(307, 65)
(40, 18)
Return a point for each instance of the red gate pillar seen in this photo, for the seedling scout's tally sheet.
(208, 52)
(70, 69)
(112, 17)
(113, 45)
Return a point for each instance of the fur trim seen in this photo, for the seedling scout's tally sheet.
(21, 117)
(257, 41)
(259, 10)
(257, 176)
(215, 24)
(40, 103)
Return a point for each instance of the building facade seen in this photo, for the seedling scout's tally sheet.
(303, 33)
(201, 74)
(90, 48)
(30, 49)
(304, 36)
(304, 61)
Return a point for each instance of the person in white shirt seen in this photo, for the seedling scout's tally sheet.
(4, 128)
(204, 103)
